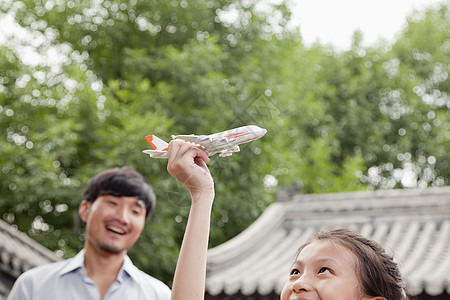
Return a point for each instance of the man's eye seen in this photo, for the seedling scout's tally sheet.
(113, 203)
(137, 211)
(325, 270)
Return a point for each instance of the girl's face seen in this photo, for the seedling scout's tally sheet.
(323, 271)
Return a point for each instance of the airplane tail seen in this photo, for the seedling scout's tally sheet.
(157, 143)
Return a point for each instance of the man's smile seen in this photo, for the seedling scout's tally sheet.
(116, 229)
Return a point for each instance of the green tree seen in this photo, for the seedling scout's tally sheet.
(134, 69)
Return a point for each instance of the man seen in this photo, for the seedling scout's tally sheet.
(116, 205)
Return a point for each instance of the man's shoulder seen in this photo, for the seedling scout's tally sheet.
(148, 282)
(46, 270)
(35, 282)
(146, 278)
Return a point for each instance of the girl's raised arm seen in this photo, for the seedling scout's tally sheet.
(187, 163)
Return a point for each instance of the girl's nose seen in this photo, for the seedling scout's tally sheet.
(301, 285)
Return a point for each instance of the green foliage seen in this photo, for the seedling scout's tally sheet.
(366, 118)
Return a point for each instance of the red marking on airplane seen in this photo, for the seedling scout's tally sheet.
(235, 135)
(149, 139)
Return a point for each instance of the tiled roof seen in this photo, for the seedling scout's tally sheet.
(412, 224)
(19, 253)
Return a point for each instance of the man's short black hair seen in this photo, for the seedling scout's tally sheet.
(121, 182)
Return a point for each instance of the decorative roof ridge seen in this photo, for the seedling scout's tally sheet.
(376, 201)
(375, 194)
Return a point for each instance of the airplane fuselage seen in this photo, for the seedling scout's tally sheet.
(227, 141)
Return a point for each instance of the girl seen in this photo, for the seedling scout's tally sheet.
(338, 264)
(342, 264)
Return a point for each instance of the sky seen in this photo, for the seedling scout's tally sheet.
(334, 21)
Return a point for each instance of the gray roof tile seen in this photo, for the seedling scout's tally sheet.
(19, 253)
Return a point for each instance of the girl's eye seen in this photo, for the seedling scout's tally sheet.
(295, 272)
(325, 270)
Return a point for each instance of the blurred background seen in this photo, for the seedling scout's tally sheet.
(82, 83)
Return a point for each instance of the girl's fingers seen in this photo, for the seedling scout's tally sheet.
(183, 154)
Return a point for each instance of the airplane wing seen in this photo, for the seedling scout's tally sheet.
(190, 137)
(156, 153)
(229, 152)
(211, 143)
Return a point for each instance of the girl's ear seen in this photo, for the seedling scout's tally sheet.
(83, 210)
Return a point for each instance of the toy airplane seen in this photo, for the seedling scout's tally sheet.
(225, 143)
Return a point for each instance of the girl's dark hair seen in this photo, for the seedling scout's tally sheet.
(121, 182)
(379, 275)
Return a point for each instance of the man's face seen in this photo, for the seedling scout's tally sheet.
(113, 224)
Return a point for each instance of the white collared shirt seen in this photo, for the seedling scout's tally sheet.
(67, 280)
